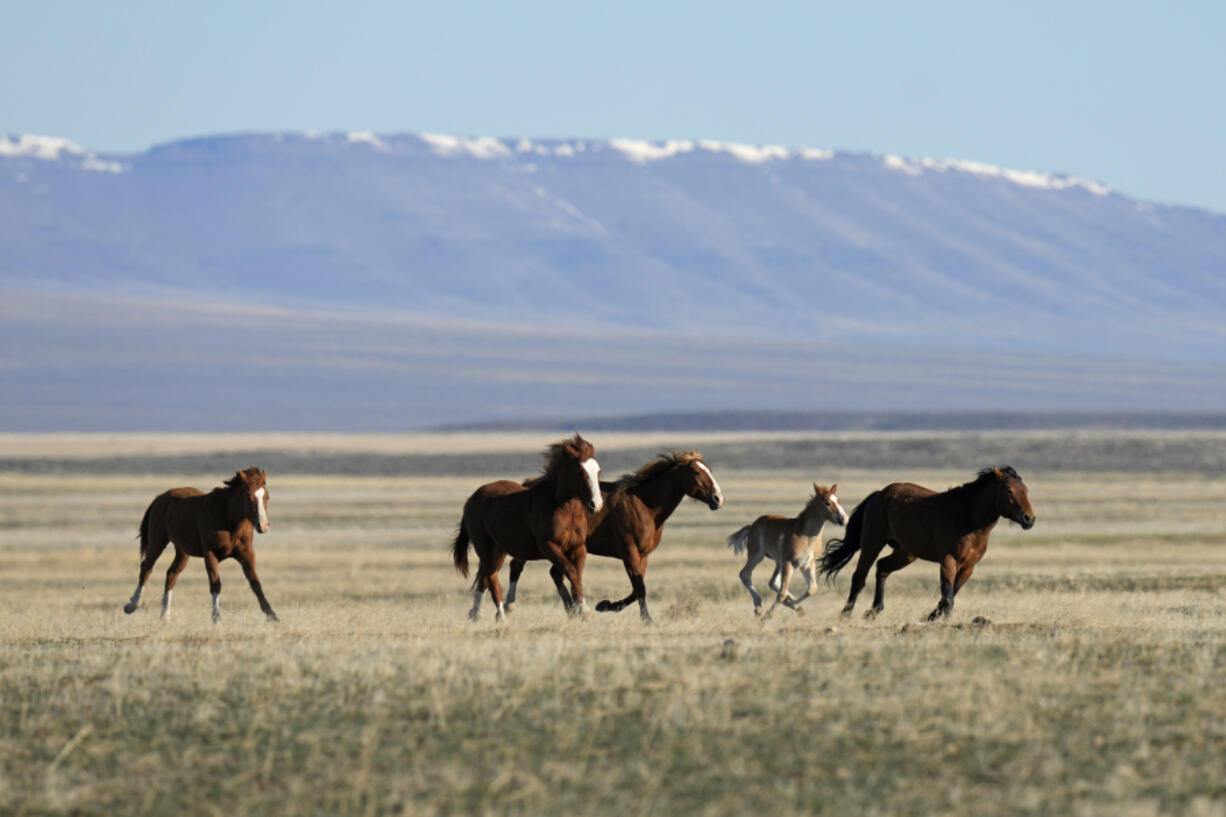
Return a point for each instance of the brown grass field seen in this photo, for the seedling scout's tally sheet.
(1097, 686)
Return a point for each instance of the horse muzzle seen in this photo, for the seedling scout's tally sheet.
(1027, 521)
(262, 528)
(715, 503)
(594, 506)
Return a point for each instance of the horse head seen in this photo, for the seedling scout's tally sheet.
(1013, 499)
(582, 477)
(700, 483)
(249, 497)
(827, 502)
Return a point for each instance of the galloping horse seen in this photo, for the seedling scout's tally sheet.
(791, 542)
(543, 518)
(636, 508)
(217, 525)
(950, 528)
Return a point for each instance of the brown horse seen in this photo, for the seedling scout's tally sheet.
(792, 542)
(636, 508)
(950, 528)
(544, 518)
(217, 525)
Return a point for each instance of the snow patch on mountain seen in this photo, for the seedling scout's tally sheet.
(1025, 178)
(53, 149)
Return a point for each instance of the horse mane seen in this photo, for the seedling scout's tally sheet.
(989, 472)
(556, 453)
(662, 464)
(987, 475)
(242, 477)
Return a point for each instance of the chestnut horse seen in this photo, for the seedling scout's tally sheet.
(792, 542)
(543, 518)
(950, 528)
(636, 508)
(217, 525)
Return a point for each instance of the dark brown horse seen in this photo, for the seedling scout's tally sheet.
(217, 525)
(544, 518)
(950, 528)
(636, 508)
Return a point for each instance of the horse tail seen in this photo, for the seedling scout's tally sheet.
(838, 552)
(739, 540)
(144, 531)
(459, 550)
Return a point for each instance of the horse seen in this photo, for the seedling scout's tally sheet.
(217, 525)
(542, 518)
(632, 524)
(950, 528)
(792, 542)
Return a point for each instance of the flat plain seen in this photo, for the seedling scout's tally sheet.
(1081, 673)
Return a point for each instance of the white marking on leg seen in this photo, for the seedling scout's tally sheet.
(501, 612)
(843, 517)
(592, 469)
(216, 606)
(719, 494)
(166, 603)
(135, 600)
(263, 508)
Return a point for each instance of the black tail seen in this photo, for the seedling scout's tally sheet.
(459, 551)
(144, 531)
(838, 552)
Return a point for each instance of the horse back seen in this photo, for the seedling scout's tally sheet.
(500, 512)
(176, 515)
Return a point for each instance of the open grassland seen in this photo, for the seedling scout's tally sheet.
(1095, 687)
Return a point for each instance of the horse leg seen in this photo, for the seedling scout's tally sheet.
(810, 574)
(559, 582)
(489, 574)
(755, 555)
(150, 551)
(897, 560)
(964, 572)
(573, 569)
(172, 576)
(478, 593)
(246, 558)
(636, 568)
(210, 567)
(517, 567)
(873, 541)
(949, 570)
(785, 578)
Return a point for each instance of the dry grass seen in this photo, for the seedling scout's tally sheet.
(1095, 688)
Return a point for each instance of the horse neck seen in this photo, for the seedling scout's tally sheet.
(554, 485)
(661, 494)
(225, 500)
(979, 510)
(809, 523)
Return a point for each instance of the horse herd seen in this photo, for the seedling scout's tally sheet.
(568, 512)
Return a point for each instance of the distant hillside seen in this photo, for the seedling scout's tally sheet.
(357, 281)
(865, 421)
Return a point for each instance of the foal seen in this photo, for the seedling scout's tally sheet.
(791, 542)
(217, 525)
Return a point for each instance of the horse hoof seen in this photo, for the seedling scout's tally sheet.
(604, 606)
(871, 614)
(472, 615)
(129, 608)
(757, 611)
(799, 611)
(509, 606)
(273, 618)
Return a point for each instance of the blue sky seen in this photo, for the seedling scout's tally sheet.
(1132, 94)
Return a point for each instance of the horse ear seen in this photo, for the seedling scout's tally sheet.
(834, 488)
(264, 475)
